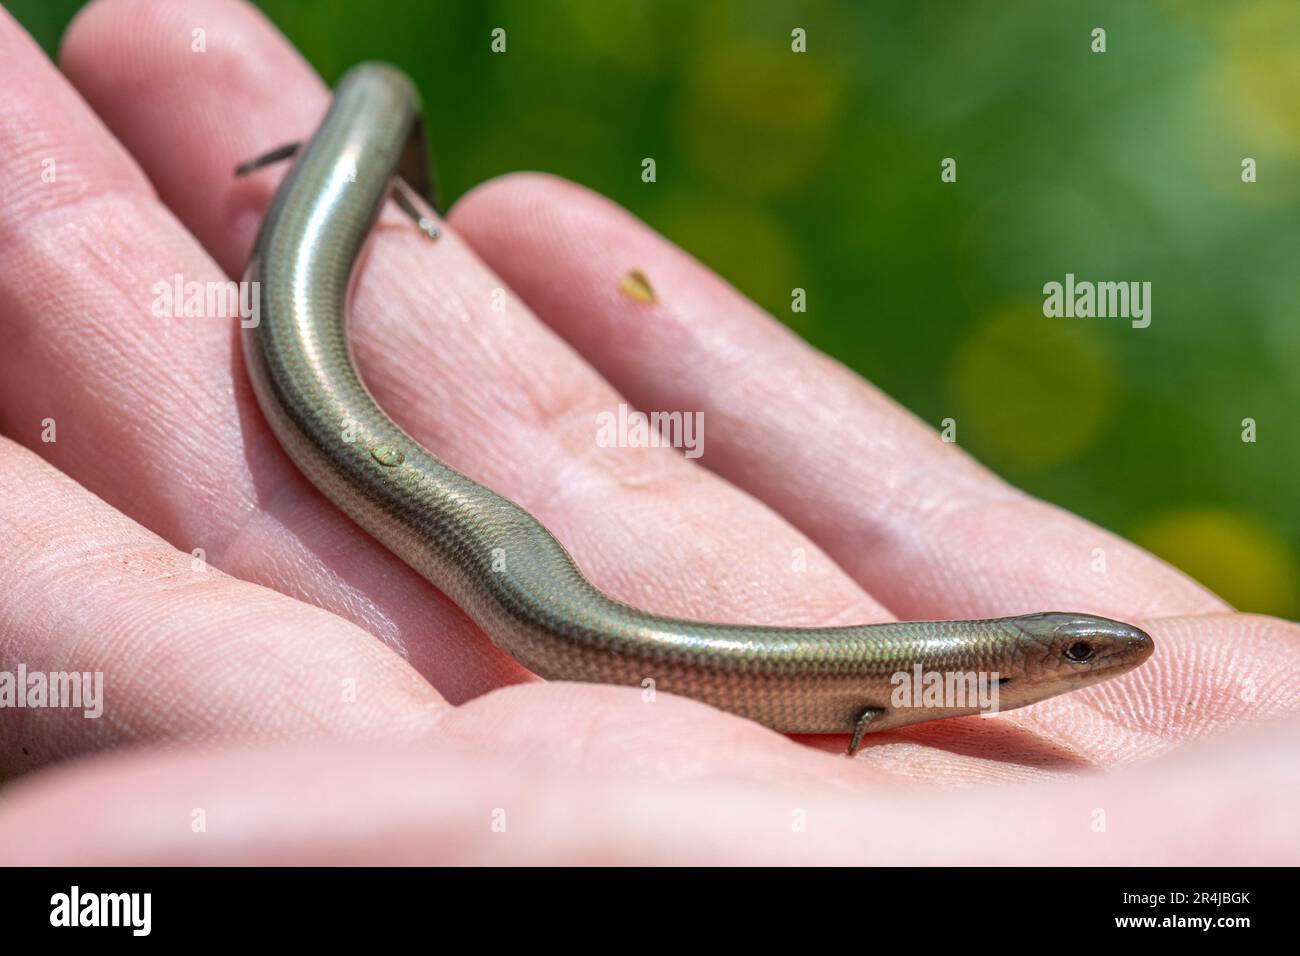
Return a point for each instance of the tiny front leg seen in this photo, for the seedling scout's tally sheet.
(409, 202)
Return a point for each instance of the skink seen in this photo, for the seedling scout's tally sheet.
(508, 572)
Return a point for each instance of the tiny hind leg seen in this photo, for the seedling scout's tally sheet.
(860, 728)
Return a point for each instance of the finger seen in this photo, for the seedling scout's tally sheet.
(153, 413)
(436, 805)
(182, 651)
(495, 394)
(915, 520)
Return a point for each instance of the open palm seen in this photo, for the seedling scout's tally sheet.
(307, 696)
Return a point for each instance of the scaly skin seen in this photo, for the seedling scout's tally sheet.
(508, 572)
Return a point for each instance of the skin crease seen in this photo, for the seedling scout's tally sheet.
(234, 686)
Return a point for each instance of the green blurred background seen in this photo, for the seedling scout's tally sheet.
(821, 171)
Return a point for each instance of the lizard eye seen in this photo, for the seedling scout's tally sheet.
(1080, 652)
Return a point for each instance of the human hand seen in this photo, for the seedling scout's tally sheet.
(805, 466)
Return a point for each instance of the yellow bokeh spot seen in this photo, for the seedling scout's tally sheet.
(1232, 553)
(757, 116)
(1254, 84)
(1033, 391)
